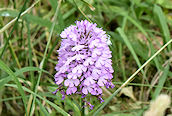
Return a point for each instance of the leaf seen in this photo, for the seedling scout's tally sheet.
(161, 20)
(130, 47)
(31, 18)
(161, 82)
(4, 67)
(42, 108)
(49, 102)
(128, 91)
(18, 72)
(165, 3)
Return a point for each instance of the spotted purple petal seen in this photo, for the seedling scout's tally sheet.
(84, 64)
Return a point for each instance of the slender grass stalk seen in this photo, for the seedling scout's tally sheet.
(44, 57)
(130, 47)
(140, 27)
(15, 25)
(82, 106)
(60, 110)
(12, 51)
(51, 51)
(89, 5)
(162, 23)
(5, 68)
(131, 77)
(30, 52)
(19, 72)
(144, 85)
(14, 54)
(20, 15)
(161, 82)
(82, 11)
(124, 22)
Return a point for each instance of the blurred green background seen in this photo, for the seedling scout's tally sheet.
(29, 40)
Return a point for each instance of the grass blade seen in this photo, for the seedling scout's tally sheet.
(145, 34)
(81, 11)
(44, 57)
(31, 18)
(130, 78)
(162, 23)
(18, 72)
(60, 110)
(30, 52)
(42, 108)
(15, 25)
(61, 28)
(4, 67)
(127, 42)
(162, 80)
(19, 15)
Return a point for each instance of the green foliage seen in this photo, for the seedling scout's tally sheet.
(138, 29)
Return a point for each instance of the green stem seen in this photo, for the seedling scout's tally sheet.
(44, 57)
(82, 106)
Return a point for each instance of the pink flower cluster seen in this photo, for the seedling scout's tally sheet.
(84, 64)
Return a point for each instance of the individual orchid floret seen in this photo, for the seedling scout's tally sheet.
(84, 65)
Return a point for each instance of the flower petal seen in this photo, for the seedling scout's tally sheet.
(67, 82)
(84, 91)
(59, 80)
(76, 82)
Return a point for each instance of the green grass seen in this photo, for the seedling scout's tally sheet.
(141, 39)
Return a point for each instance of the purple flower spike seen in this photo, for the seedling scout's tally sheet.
(84, 64)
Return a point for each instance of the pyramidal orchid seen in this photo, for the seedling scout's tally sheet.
(84, 64)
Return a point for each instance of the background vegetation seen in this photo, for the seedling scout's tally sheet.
(29, 38)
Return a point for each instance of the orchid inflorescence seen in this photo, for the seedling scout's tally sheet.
(84, 64)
